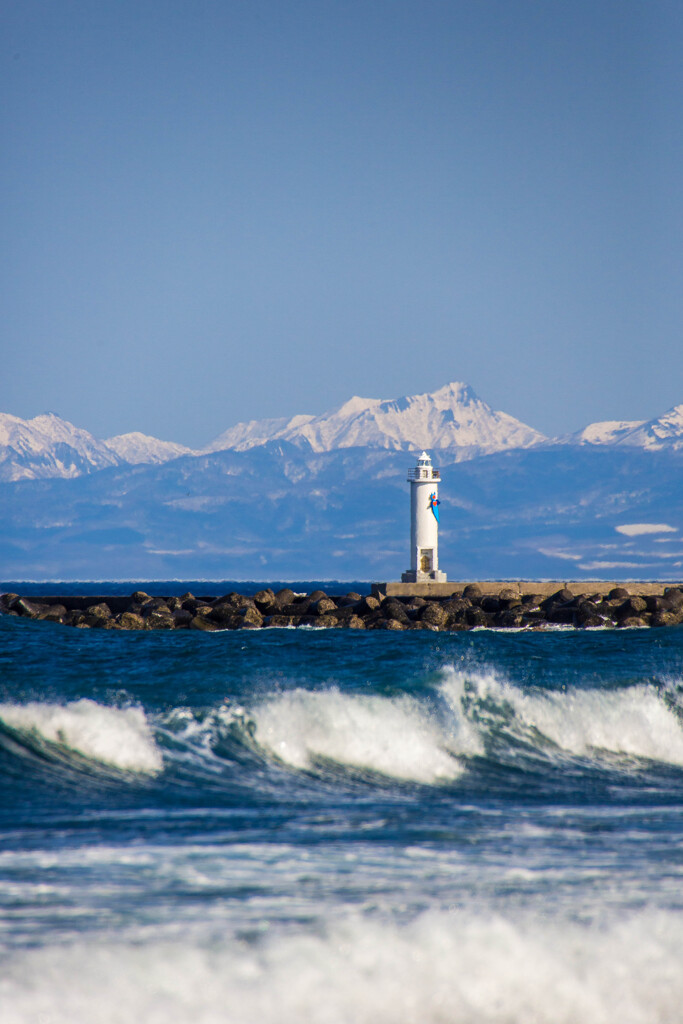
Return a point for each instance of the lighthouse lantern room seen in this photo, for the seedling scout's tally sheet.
(424, 523)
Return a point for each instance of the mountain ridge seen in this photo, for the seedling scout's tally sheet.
(450, 421)
(453, 417)
(49, 446)
(135, 448)
(653, 435)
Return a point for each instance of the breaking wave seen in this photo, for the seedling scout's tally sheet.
(120, 737)
(459, 966)
(636, 721)
(395, 736)
(428, 738)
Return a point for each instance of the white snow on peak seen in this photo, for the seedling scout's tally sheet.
(48, 446)
(452, 417)
(662, 432)
(36, 433)
(605, 432)
(137, 448)
(255, 432)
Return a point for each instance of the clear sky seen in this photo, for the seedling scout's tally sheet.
(217, 210)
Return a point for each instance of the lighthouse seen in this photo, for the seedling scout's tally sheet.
(424, 523)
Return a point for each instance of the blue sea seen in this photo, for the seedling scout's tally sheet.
(335, 826)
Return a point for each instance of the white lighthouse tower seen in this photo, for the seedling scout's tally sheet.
(424, 523)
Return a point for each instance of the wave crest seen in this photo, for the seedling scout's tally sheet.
(397, 737)
(634, 721)
(120, 737)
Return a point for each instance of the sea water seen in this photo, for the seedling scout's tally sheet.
(339, 826)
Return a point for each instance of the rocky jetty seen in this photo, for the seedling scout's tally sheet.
(507, 608)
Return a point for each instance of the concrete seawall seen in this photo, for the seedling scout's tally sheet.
(543, 588)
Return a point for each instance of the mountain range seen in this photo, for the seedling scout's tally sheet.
(663, 432)
(47, 446)
(453, 420)
(315, 497)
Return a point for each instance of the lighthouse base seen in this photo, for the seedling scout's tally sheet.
(413, 576)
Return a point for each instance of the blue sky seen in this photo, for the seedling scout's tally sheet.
(216, 211)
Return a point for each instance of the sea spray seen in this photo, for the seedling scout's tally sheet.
(393, 736)
(471, 827)
(460, 966)
(636, 721)
(120, 737)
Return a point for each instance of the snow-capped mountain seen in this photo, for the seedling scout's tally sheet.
(607, 501)
(453, 417)
(253, 433)
(604, 432)
(664, 431)
(136, 448)
(452, 420)
(48, 446)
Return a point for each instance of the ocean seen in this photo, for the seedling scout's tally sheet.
(335, 826)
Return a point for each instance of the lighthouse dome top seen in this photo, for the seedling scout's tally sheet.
(424, 470)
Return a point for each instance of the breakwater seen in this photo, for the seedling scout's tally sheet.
(391, 606)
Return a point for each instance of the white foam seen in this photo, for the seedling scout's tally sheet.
(395, 736)
(455, 967)
(634, 721)
(116, 736)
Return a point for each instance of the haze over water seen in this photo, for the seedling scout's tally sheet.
(330, 826)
